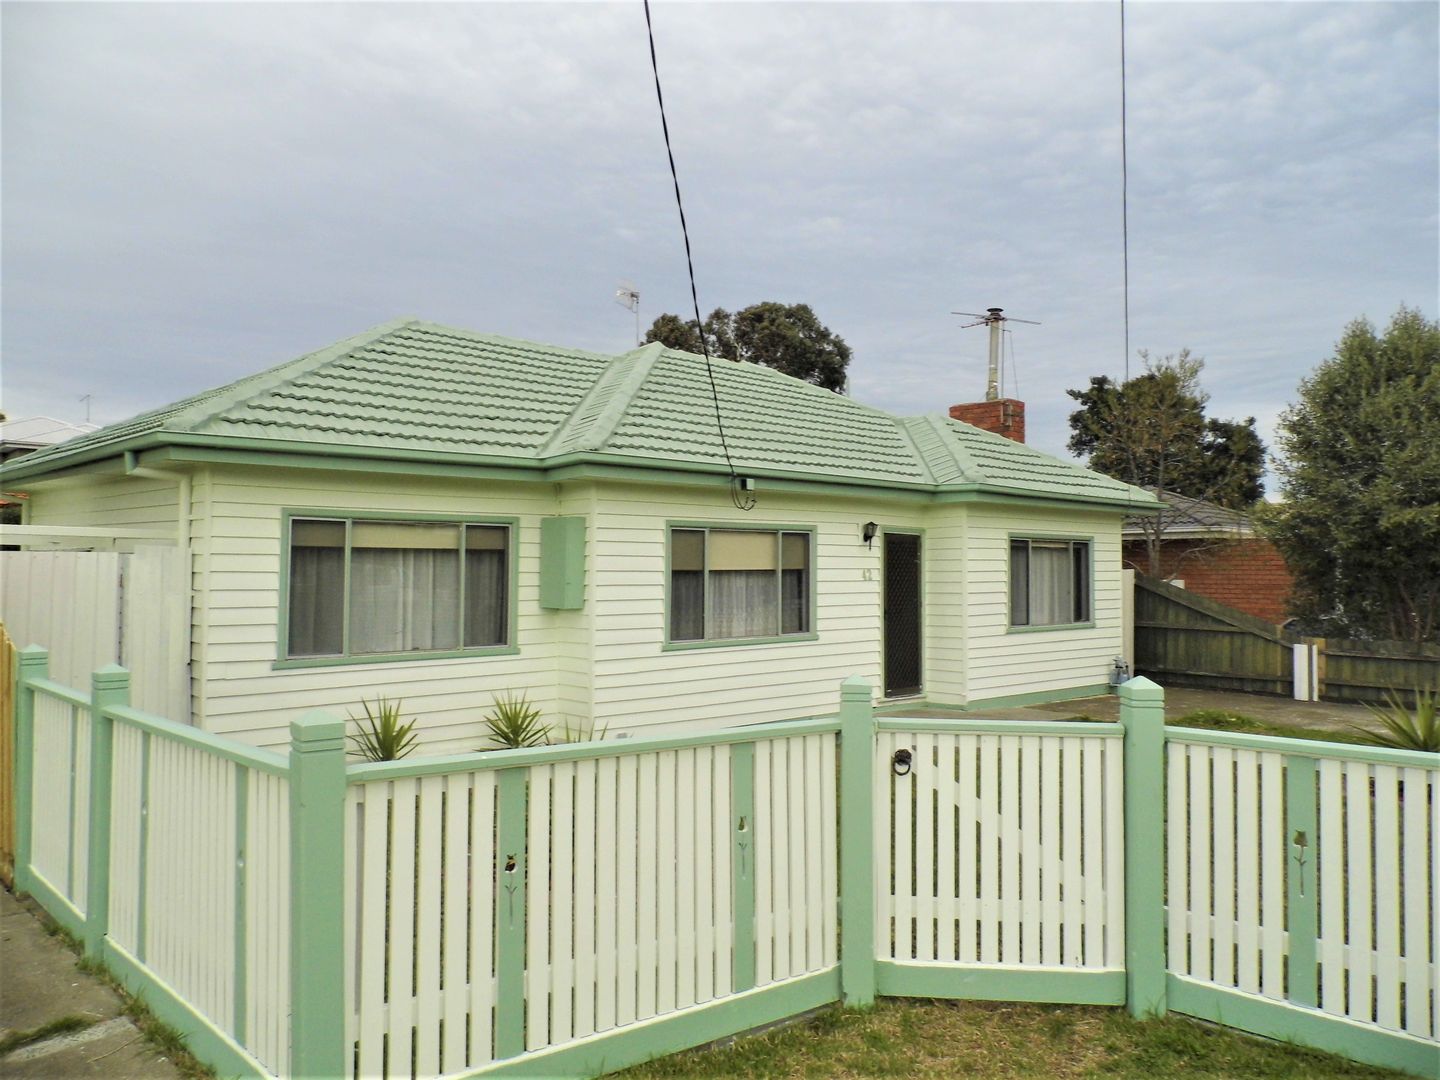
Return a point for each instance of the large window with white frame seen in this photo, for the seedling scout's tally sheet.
(737, 584)
(363, 587)
(1049, 582)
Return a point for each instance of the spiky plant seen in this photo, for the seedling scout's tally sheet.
(381, 735)
(514, 722)
(1404, 728)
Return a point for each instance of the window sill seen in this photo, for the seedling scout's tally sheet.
(725, 643)
(392, 658)
(1057, 626)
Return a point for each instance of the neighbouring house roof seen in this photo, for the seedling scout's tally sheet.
(1184, 518)
(419, 391)
(33, 432)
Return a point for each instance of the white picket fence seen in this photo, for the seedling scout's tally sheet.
(1233, 861)
(1001, 849)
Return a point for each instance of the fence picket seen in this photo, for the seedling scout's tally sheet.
(1359, 847)
(1421, 997)
(1331, 874)
(1041, 932)
(538, 910)
(1272, 878)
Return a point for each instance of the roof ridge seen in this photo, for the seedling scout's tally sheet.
(197, 413)
(600, 409)
(970, 472)
(481, 335)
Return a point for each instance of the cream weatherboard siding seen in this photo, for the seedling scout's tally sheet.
(105, 500)
(246, 697)
(605, 666)
(1006, 663)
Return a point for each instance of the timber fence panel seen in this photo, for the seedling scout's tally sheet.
(61, 778)
(1302, 892)
(998, 849)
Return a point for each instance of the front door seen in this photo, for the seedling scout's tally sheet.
(902, 614)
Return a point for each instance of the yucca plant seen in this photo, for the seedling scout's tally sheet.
(382, 735)
(1405, 728)
(514, 722)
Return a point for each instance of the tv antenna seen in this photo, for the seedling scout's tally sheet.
(995, 319)
(86, 399)
(628, 297)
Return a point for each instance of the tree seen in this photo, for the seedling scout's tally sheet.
(787, 337)
(1360, 523)
(1152, 431)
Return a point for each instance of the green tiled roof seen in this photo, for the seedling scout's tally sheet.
(411, 388)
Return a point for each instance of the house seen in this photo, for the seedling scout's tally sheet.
(1216, 552)
(438, 515)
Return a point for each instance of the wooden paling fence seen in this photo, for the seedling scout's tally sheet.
(569, 910)
(1183, 639)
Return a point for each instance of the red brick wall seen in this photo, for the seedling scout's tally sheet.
(1004, 417)
(1246, 574)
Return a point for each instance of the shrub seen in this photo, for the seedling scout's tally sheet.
(382, 737)
(514, 722)
(1406, 729)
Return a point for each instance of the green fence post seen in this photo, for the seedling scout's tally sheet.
(317, 873)
(1301, 882)
(32, 663)
(510, 898)
(109, 687)
(857, 843)
(1142, 712)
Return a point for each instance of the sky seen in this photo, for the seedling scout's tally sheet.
(195, 192)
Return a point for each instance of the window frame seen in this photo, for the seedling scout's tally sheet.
(707, 527)
(1071, 538)
(288, 516)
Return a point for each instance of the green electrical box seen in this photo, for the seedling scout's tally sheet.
(562, 563)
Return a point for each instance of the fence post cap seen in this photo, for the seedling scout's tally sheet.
(33, 654)
(317, 730)
(110, 675)
(1141, 689)
(856, 686)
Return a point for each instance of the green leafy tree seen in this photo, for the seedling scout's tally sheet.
(787, 337)
(1152, 431)
(1360, 522)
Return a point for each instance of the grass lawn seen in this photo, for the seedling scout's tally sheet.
(990, 1041)
(1221, 720)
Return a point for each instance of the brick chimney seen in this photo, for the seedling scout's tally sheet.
(1004, 416)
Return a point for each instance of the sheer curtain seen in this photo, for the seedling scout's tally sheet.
(743, 603)
(404, 587)
(317, 589)
(1052, 596)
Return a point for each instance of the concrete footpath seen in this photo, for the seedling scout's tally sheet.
(41, 984)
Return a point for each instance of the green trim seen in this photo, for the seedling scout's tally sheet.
(32, 665)
(1311, 748)
(1305, 1027)
(252, 757)
(1040, 697)
(975, 982)
(54, 902)
(142, 883)
(961, 726)
(742, 864)
(1072, 538)
(60, 692)
(1301, 882)
(109, 686)
(511, 646)
(1142, 712)
(562, 562)
(726, 643)
(365, 772)
(317, 896)
(240, 960)
(886, 530)
(811, 552)
(599, 1055)
(202, 1038)
(510, 922)
(857, 842)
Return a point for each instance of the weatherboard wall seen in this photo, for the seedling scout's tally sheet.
(104, 500)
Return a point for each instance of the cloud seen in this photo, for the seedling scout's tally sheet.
(192, 192)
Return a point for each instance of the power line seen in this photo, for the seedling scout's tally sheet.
(1124, 191)
(743, 500)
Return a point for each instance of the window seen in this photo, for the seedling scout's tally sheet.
(1049, 582)
(374, 588)
(732, 584)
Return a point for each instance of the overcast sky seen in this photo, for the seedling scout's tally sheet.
(195, 192)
